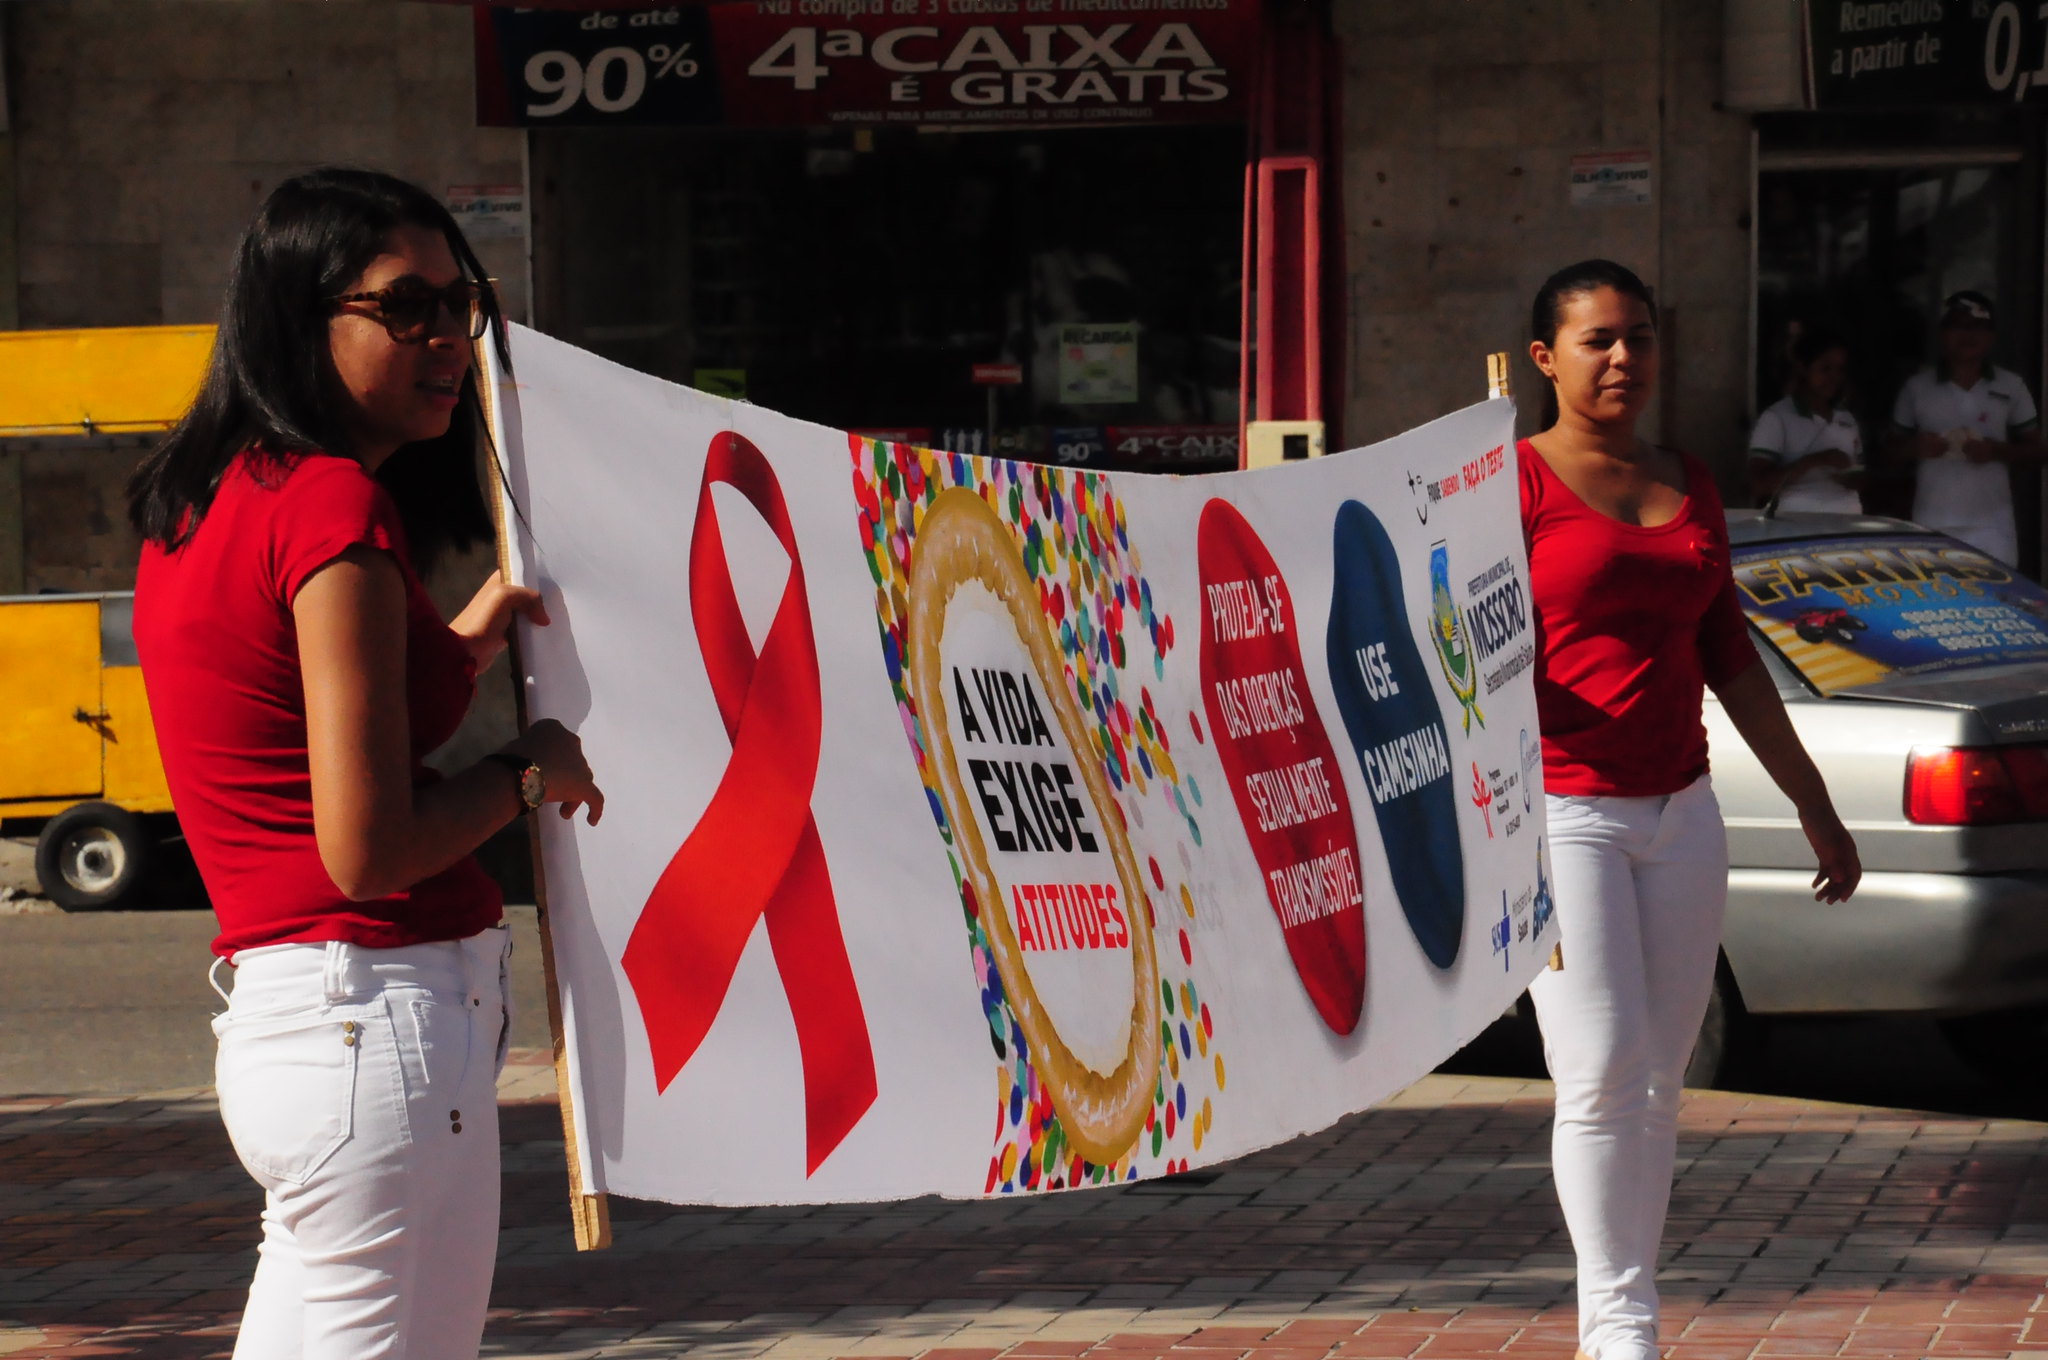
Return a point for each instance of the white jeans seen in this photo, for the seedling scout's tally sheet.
(1641, 886)
(359, 1087)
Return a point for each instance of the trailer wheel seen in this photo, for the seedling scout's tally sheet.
(93, 857)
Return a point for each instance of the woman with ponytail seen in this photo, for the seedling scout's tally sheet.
(1636, 617)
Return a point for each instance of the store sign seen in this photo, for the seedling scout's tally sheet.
(1144, 448)
(489, 212)
(1926, 52)
(1160, 446)
(1099, 364)
(806, 63)
(1079, 446)
(1608, 179)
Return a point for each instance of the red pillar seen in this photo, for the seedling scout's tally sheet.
(1292, 235)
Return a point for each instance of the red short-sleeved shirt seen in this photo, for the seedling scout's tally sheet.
(220, 659)
(1632, 624)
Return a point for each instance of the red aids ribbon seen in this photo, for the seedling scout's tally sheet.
(754, 854)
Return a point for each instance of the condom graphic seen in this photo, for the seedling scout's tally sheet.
(1388, 700)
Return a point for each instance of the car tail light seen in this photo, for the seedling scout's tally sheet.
(1977, 786)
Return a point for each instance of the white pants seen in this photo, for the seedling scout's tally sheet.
(1641, 887)
(359, 1087)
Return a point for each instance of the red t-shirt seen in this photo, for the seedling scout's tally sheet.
(220, 659)
(1632, 624)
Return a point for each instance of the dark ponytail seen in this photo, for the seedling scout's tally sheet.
(1586, 276)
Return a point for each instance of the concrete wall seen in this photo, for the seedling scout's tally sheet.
(146, 132)
(1459, 125)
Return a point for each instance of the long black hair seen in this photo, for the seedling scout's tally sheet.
(1586, 276)
(267, 385)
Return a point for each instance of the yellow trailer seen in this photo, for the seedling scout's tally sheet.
(78, 754)
(112, 380)
(77, 747)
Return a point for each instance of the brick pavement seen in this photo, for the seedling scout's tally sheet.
(1426, 1227)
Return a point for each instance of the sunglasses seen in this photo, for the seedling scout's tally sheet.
(408, 308)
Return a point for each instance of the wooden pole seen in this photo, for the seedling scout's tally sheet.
(1497, 385)
(590, 1214)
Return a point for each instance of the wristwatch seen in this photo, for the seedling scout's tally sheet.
(533, 789)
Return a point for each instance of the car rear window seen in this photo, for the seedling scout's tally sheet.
(1850, 611)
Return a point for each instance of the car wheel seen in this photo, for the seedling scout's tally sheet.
(1730, 1039)
(93, 857)
(2005, 1045)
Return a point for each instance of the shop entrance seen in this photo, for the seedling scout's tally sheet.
(859, 278)
(1868, 243)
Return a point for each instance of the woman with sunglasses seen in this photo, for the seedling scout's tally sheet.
(299, 675)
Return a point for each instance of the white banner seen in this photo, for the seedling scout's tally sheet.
(980, 828)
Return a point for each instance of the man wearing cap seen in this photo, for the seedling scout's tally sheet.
(1964, 420)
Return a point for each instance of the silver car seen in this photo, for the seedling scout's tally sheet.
(1915, 670)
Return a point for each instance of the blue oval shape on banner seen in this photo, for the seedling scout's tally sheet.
(1397, 732)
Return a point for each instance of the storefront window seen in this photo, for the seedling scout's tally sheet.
(858, 278)
(1865, 222)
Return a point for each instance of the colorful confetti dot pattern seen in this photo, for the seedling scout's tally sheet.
(1076, 547)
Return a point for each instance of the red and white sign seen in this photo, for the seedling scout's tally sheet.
(998, 375)
(1280, 765)
(808, 63)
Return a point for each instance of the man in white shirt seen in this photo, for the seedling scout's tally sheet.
(1965, 420)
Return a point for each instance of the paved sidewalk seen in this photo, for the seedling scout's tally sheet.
(1426, 1227)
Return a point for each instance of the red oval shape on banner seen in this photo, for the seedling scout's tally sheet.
(1281, 766)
